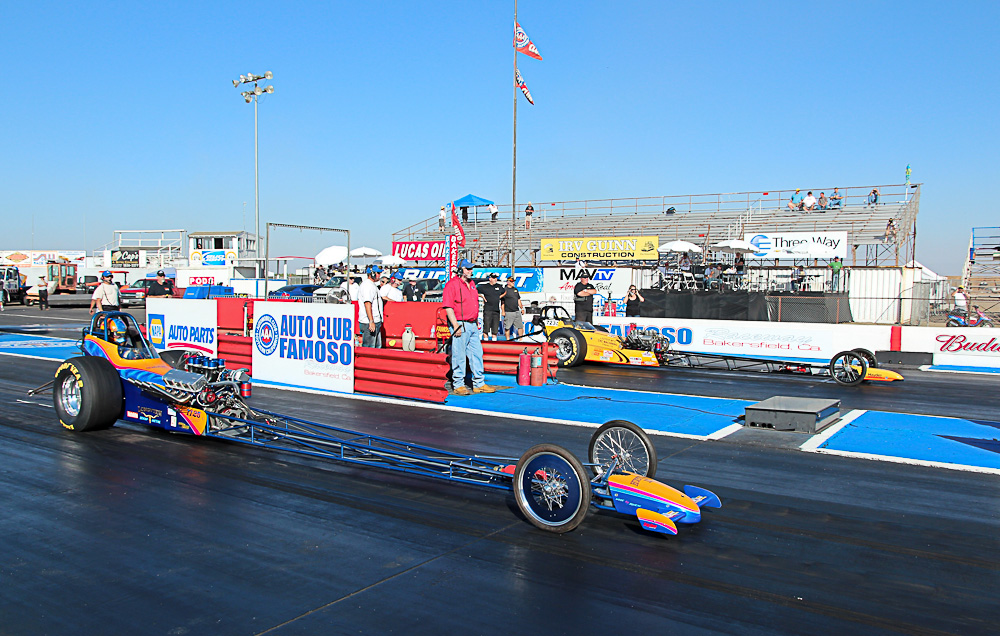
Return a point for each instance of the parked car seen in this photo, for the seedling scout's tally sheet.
(330, 291)
(294, 291)
(429, 289)
(135, 293)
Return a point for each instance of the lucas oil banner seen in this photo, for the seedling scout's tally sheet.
(304, 347)
(176, 323)
(615, 248)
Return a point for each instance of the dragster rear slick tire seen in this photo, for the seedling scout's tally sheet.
(571, 346)
(551, 488)
(87, 394)
(848, 368)
(628, 443)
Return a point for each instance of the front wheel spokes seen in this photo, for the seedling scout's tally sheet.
(550, 490)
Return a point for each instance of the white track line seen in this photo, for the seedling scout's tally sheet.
(725, 432)
(813, 443)
(913, 462)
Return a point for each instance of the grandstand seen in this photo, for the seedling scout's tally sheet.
(981, 273)
(702, 219)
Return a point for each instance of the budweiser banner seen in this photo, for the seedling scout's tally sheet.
(419, 250)
(615, 248)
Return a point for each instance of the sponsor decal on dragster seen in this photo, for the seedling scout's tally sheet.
(634, 489)
(319, 338)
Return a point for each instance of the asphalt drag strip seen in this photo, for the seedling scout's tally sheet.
(185, 535)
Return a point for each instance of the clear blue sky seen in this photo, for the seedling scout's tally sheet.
(123, 116)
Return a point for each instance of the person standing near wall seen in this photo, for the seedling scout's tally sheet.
(461, 306)
(835, 266)
(491, 291)
(512, 308)
(583, 298)
(43, 294)
(370, 309)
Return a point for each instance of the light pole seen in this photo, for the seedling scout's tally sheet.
(251, 95)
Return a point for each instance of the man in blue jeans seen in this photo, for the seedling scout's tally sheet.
(461, 306)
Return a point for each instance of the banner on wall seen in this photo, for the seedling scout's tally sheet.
(526, 279)
(34, 258)
(751, 339)
(615, 248)
(419, 250)
(304, 347)
(612, 283)
(771, 242)
(212, 258)
(175, 323)
(974, 347)
(125, 258)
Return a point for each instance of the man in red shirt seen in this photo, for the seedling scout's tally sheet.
(461, 305)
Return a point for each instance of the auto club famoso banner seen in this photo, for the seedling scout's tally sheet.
(176, 323)
(617, 248)
(304, 347)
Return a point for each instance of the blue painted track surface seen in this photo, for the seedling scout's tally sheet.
(921, 437)
(688, 415)
(38, 346)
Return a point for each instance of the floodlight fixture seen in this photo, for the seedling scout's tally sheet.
(268, 75)
(269, 89)
(253, 95)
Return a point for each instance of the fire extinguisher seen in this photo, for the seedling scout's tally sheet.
(537, 368)
(524, 368)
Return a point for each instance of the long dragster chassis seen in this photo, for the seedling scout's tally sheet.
(121, 377)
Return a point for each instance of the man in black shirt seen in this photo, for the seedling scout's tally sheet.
(583, 297)
(512, 309)
(161, 287)
(490, 291)
(409, 291)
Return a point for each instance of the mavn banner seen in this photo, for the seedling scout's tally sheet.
(618, 248)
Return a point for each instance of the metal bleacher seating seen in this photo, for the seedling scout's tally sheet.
(699, 219)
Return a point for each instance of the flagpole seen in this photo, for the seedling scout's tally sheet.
(513, 185)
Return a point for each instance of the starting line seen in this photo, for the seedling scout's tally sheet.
(941, 442)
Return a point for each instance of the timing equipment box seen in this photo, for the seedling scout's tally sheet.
(802, 415)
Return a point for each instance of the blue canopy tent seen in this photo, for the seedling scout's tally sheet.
(472, 201)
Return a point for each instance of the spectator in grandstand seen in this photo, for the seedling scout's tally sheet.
(713, 276)
(822, 203)
(685, 263)
(528, 211)
(809, 203)
(465, 214)
(739, 265)
(836, 199)
(491, 291)
(632, 300)
(835, 266)
(442, 217)
(795, 203)
(798, 278)
(494, 211)
(890, 232)
(512, 308)
(873, 197)
(583, 298)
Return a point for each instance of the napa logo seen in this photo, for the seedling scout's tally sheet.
(763, 244)
(157, 331)
(265, 334)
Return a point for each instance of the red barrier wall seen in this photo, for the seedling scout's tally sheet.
(237, 351)
(416, 375)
